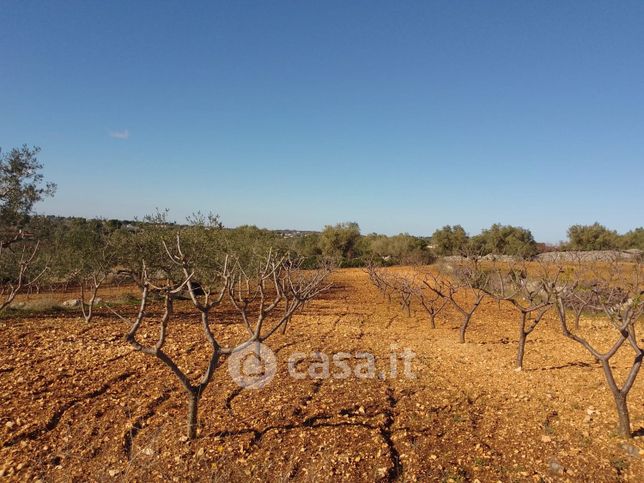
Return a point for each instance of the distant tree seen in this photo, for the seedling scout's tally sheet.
(450, 240)
(308, 247)
(402, 248)
(131, 246)
(85, 255)
(340, 241)
(505, 240)
(592, 237)
(207, 220)
(633, 239)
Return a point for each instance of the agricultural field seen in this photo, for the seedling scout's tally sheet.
(78, 403)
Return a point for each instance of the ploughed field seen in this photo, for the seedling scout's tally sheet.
(77, 403)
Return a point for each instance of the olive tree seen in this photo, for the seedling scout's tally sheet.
(592, 237)
(450, 240)
(21, 187)
(340, 241)
(85, 255)
(505, 240)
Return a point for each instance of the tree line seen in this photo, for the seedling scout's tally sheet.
(518, 241)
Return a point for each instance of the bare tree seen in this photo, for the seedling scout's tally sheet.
(379, 278)
(528, 296)
(92, 283)
(276, 287)
(389, 284)
(619, 297)
(430, 296)
(429, 291)
(468, 277)
(406, 290)
(18, 256)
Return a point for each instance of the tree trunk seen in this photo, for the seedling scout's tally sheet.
(521, 350)
(193, 409)
(432, 320)
(464, 324)
(624, 427)
(522, 338)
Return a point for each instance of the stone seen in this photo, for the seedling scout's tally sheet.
(630, 449)
(71, 303)
(555, 467)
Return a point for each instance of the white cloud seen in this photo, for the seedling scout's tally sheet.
(124, 134)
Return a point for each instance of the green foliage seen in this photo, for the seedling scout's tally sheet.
(206, 244)
(633, 239)
(83, 249)
(206, 220)
(505, 240)
(340, 242)
(592, 237)
(450, 240)
(401, 249)
(308, 247)
(21, 185)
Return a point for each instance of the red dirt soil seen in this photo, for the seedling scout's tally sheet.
(78, 404)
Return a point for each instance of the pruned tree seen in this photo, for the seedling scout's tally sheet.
(526, 295)
(380, 280)
(617, 295)
(469, 280)
(18, 268)
(431, 298)
(276, 280)
(428, 290)
(274, 292)
(390, 284)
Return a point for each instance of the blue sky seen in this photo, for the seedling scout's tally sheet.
(400, 115)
